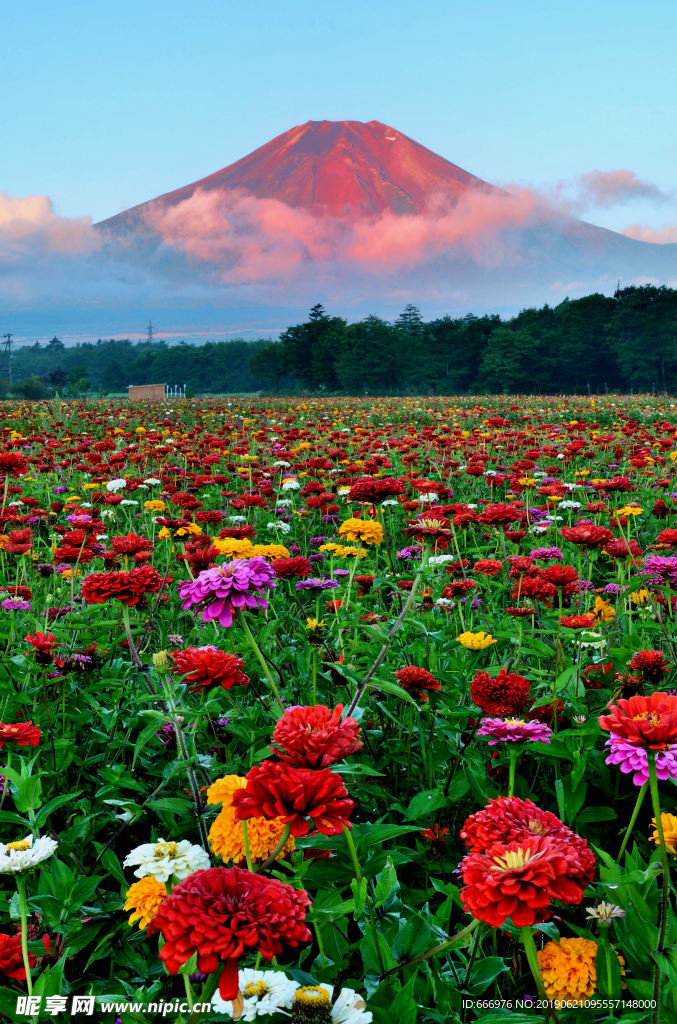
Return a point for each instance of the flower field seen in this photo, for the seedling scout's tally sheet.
(339, 713)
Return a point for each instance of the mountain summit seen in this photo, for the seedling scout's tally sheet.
(337, 168)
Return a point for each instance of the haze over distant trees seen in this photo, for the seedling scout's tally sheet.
(624, 342)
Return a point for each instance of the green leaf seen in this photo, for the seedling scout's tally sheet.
(359, 890)
(427, 802)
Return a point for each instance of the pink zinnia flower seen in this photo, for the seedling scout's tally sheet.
(220, 591)
(631, 758)
(514, 730)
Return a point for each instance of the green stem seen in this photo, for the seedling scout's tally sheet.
(353, 853)
(452, 940)
(633, 819)
(527, 937)
(511, 777)
(205, 996)
(189, 991)
(21, 886)
(262, 661)
(245, 836)
(655, 800)
(278, 849)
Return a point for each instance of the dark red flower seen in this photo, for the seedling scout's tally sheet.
(587, 535)
(13, 464)
(415, 680)
(127, 587)
(286, 568)
(208, 666)
(435, 834)
(24, 734)
(375, 489)
(594, 677)
(503, 695)
(621, 548)
(651, 665)
(277, 790)
(130, 544)
(11, 958)
(223, 913)
(644, 721)
(315, 737)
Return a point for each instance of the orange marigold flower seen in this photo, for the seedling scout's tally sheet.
(144, 898)
(226, 836)
(568, 969)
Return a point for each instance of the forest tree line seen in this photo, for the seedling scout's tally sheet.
(624, 342)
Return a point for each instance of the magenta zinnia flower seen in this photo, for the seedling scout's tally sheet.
(631, 758)
(221, 591)
(514, 730)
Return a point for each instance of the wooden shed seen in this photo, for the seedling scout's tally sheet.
(147, 392)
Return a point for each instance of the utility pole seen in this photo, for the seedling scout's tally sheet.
(7, 345)
(150, 333)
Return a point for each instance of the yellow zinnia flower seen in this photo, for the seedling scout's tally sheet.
(233, 547)
(368, 531)
(603, 611)
(144, 898)
(475, 641)
(669, 824)
(639, 597)
(226, 836)
(269, 551)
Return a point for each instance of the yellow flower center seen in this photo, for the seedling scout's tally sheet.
(255, 990)
(22, 844)
(161, 850)
(651, 717)
(312, 995)
(513, 860)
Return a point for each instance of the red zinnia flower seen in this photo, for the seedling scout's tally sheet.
(315, 737)
(488, 567)
(208, 666)
(667, 537)
(13, 463)
(650, 664)
(504, 695)
(644, 721)
(564, 577)
(517, 880)
(127, 587)
(621, 548)
(130, 544)
(11, 959)
(282, 791)
(285, 568)
(43, 645)
(415, 680)
(221, 913)
(24, 734)
(587, 535)
(373, 489)
(578, 621)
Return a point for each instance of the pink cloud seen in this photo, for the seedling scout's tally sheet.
(615, 188)
(661, 236)
(29, 227)
(253, 240)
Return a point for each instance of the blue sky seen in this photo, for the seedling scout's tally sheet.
(109, 104)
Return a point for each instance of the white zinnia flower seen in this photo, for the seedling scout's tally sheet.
(128, 501)
(440, 559)
(429, 498)
(291, 485)
(164, 859)
(237, 520)
(25, 853)
(263, 992)
(118, 484)
(152, 481)
(281, 526)
(281, 464)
